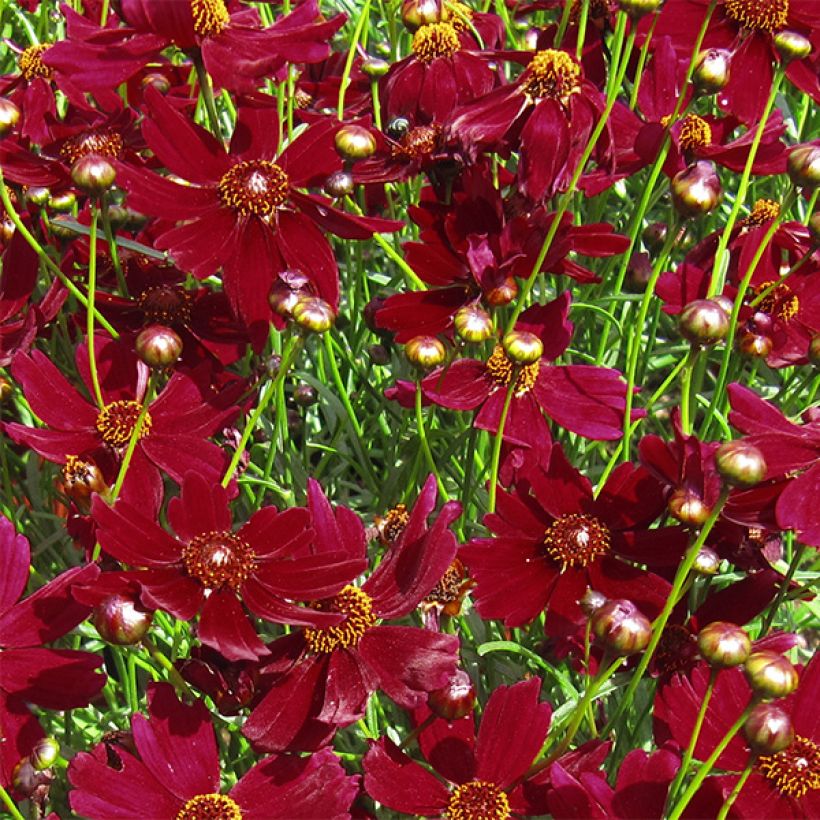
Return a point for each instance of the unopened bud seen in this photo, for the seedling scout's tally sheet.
(654, 236)
(703, 322)
(38, 196)
(814, 350)
(355, 142)
(768, 729)
(791, 45)
(770, 674)
(711, 72)
(313, 314)
(502, 294)
(755, 345)
(417, 13)
(454, 700)
(81, 479)
(375, 67)
(621, 627)
(425, 352)
(592, 602)
(804, 166)
(158, 346)
(305, 395)
(723, 644)
(93, 174)
(696, 191)
(62, 203)
(740, 463)
(120, 620)
(473, 323)
(639, 8)
(9, 116)
(522, 347)
(156, 80)
(339, 184)
(45, 752)
(379, 354)
(688, 507)
(707, 562)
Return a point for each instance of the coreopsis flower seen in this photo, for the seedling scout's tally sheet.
(547, 114)
(320, 678)
(585, 399)
(208, 568)
(29, 673)
(476, 775)
(552, 540)
(236, 49)
(242, 210)
(174, 772)
(174, 433)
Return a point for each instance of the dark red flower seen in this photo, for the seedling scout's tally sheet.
(50, 678)
(320, 678)
(175, 773)
(207, 568)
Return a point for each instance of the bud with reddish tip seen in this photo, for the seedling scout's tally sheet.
(707, 562)
(639, 8)
(502, 294)
(313, 314)
(592, 602)
(158, 346)
(522, 347)
(740, 463)
(768, 729)
(120, 620)
(339, 184)
(454, 700)
(417, 13)
(282, 299)
(375, 67)
(621, 627)
(45, 752)
(38, 196)
(696, 191)
(93, 174)
(9, 116)
(688, 507)
(156, 80)
(425, 352)
(355, 142)
(804, 166)
(791, 45)
(28, 781)
(711, 72)
(654, 236)
(703, 322)
(304, 395)
(755, 345)
(770, 674)
(726, 302)
(62, 203)
(473, 323)
(81, 479)
(724, 645)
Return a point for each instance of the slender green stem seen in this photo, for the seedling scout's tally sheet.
(207, 92)
(784, 588)
(686, 390)
(173, 675)
(709, 763)
(425, 445)
(495, 459)
(92, 295)
(113, 250)
(351, 55)
(741, 782)
(10, 805)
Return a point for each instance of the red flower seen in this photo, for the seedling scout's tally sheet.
(50, 678)
(242, 210)
(208, 566)
(322, 677)
(176, 774)
(553, 539)
(483, 770)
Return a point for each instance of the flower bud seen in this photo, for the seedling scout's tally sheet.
(592, 602)
(62, 203)
(7, 230)
(156, 80)
(768, 729)
(9, 116)
(755, 345)
(27, 780)
(522, 347)
(770, 674)
(273, 365)
(654, 236)
(38, 195)
(313, 314)
(638, 272)
(417, 13)
(707, 562)
(814, 350)
(93, 174)
(621, 627)
(375, 67)
(81, 479)
(723, 644)
(687, 507)
(378, 354)
(696, 191)
(46, 750)
(120, 621)
(814, 228)
(711, 72)
(703, 322)
(397, 128)
(726, 302)
(355, 142)
(639, 8)
(282, 299)
(473, 323)
(158, 346)
(61, 230)
(304, 395)
(740, 463)
(118, 216)
(425, 352)
(791, 45)
(760, 323)
(454, 700)
(502, 294)
(339, 184)
(804, 166)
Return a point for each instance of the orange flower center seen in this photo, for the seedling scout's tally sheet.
(458, 15)
(256, 187)
(780, 302)
(676, 649)
(210, 17)
(31, 62)
(418, 143)
(576, 540)
(210, 807)
(794, 771)
(219, 558)
(165, 305)
(478, 800)
(552, 73)
(392, 525)
(501, 370)
(695, 132)
(357, 606)
(435, 40)
(106, 143)
(116, 422)
(451, 588)
(759, 15)
(763, 211)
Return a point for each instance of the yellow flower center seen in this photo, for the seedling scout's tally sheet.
(256, 187)
(759, 15)
(435, 40)
(31, 62)
(478, 800)
(695, 132)
(763, 211)
(552, 73)
(219, 558)
(210, 17)
(501, 369)
(417, 143)
(357, 606)
(459, 15)
(210, 807)
(576, 540)
(392, 525)
(780, 302)
(106, 143)
(116, 422)
(796, 770)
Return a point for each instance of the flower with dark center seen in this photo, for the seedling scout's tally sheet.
(553, 540)
(208, 568)
(584, 399)
(477, 774)
(165, 305)
(243, 211)
(795, 771)
(172, 772)
(331, 668)
(102, 143)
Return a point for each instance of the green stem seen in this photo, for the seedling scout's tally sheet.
(721, 262)
(741, 782)
(686, 390)
(173, 675)
(351, 56)
(92, 295)
(113, 250)
(10, 805)
(709, 763)
(784, 588)
(207, 92)
(495, 459)
(425, 445)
